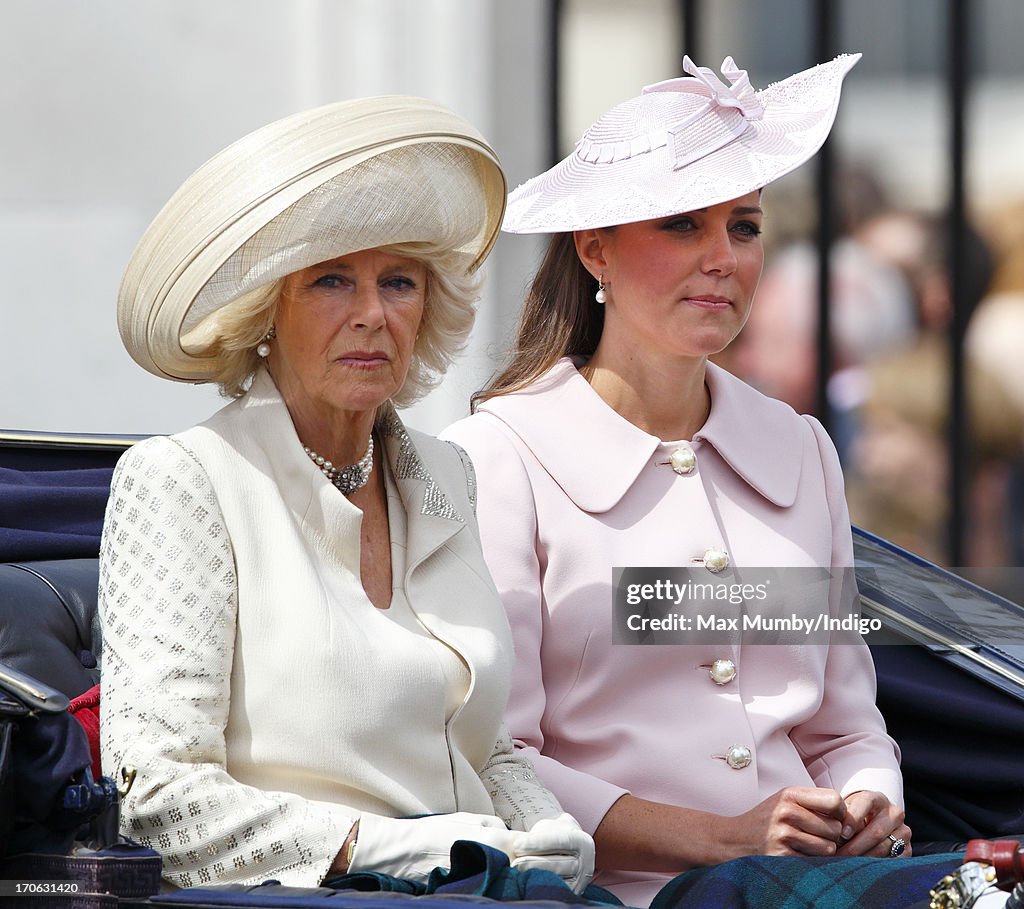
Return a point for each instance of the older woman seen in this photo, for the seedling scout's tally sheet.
(303, 648)
(611, 441)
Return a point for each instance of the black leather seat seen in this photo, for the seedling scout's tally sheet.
(49, 627)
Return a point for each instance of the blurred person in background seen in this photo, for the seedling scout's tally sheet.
(872, 313)
(898, 463)
(872, 309)
(994, 337)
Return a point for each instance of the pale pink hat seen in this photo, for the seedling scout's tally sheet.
(683, 144)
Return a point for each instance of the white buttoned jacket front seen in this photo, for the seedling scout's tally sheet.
(261, 699)
(568, 489)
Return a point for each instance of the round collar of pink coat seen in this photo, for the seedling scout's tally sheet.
(596, 455)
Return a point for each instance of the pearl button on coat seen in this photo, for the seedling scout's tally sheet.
(683, 461)
(722, 672)
(738, 757)
(568, 489)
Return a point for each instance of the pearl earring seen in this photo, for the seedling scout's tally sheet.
(263, 349)
(600, 296)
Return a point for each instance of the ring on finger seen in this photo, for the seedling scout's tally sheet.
(897, 847)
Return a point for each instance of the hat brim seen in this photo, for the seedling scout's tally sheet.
(242, 189)
(577, 194)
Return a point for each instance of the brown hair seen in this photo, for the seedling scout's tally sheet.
(560, 318)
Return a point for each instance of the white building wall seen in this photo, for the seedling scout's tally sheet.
(109, 104)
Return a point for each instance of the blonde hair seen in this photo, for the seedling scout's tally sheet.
(448, 313)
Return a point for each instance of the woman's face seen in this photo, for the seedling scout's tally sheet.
(682, 285)
(345, 331)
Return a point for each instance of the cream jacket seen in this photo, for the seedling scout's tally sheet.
(260, 698)
(568, 489)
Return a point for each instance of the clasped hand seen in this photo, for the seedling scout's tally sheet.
(412, 848)
(871, 819)
(810, 821)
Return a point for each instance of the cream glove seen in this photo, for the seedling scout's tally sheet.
(411, 848)
(559, 845)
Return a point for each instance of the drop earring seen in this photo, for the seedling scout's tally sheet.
(600, 296)
(263, 348)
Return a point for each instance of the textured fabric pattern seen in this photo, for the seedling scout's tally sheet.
(520, 799)
(262, 700)
(167, 589)
(467, 463)
(794, 882)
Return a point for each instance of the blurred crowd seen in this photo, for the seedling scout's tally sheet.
(889, 388)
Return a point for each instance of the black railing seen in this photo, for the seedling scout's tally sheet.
(554, 44)
(689, 18)
(959, 76)
(824, 49)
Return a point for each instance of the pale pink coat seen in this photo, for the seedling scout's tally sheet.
(567, 490)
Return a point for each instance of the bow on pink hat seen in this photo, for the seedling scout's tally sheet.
(680, 145)
(739, 93)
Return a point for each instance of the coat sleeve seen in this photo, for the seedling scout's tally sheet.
(507, 517)
(845, 745)
(168, 601)
(520, 799)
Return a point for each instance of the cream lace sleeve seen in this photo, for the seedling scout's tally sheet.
(520, 799)
(167, 601)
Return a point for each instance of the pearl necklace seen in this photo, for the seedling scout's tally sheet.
(347, 479)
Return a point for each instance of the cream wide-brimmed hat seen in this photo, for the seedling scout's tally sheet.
(682, 145)
(312, 187)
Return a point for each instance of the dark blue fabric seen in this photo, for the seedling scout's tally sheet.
(476, 871)
(49, 751)
(273, 894)
(50, 786)
(796, 882)
(943, 719)
(52, 514)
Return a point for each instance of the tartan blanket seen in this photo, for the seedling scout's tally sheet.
(798, 882)
(754, 882)
(476, 871)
